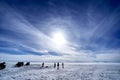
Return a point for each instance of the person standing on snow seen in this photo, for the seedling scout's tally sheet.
(58, 65)
(62, 65)
(42, 64)
(54, 65)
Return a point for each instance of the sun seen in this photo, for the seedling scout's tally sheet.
(59, 38)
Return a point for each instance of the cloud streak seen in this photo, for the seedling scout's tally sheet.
(86, 32)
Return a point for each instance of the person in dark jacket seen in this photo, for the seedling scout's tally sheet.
(62, 65)
(58, 65)
(42, 64)
(54, 65)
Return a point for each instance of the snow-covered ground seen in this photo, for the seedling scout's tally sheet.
(70, 72)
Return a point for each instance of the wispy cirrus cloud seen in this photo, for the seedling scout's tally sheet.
(29, 37)
(89, 33)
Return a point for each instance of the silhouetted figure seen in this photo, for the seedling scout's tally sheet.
(42, 64)
(28, 63)
(54, 65)
(62, 65)
(2, 65)
(19, 64)
(58, 65)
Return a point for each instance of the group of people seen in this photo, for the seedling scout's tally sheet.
(56, 65)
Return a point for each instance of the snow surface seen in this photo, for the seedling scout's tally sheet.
(70, 72)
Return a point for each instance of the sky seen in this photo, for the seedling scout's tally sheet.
(60, 30)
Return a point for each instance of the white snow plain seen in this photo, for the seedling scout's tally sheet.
(71, 71)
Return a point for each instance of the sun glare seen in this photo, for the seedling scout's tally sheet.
(58, 38)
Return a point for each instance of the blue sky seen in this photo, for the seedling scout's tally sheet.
(60, 30)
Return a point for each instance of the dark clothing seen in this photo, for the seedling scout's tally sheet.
(62, 65)
(43, 64)
(54, 65)
(57, 65)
